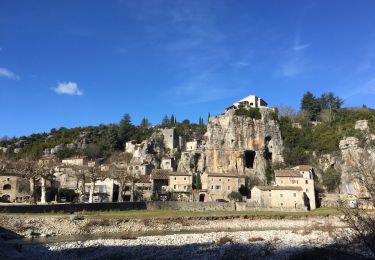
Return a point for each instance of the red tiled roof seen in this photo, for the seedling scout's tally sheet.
(279, 188)
(144, 179)
(179, 174)
(288, 173)
(229, 175)
(159, 174)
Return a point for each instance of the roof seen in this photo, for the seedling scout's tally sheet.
(288, 173)
(159, 174)
(179, 174)
(229, 175)
(265, 188)
(144, 179)
(302, 167)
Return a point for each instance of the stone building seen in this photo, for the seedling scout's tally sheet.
(168, 164)
(170, 138)
(103, 190)
(219, 185)
(299, 176)
(294, 188)
(77, 161)
(144, 187)
(14, 188)
(160, 182)
(140, 168)
(181, 184)
(278, 196)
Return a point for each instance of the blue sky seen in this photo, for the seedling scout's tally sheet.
(78, 63)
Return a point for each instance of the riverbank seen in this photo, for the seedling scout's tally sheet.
(176, 235)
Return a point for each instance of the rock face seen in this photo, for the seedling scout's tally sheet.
(236, 144)
(356, 155)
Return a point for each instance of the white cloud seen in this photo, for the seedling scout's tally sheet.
(5, 73)
(68, 88)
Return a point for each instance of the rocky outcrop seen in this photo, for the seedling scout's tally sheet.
(236, 144)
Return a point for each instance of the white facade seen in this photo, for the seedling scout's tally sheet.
(249, 101)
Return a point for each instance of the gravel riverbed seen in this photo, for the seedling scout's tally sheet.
(237, 238)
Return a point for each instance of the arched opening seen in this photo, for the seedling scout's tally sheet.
(7, 187)
(6, 198)
(249, 158)
(201, 197)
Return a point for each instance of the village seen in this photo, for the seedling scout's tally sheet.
(140, 177)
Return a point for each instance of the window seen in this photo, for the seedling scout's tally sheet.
(218, 187)
(174, 186)
(219, 179)
(297, 182)
(294, 194)
(228, 179)
(212, 179)
(184, 178)
(8, 179)
(307, 190)
(307, 182)
(281, 204)
(175, 178)
(281, 181)
(184, 187)
(281, 195)
(136, 167)
(212, 187)
(228, 187)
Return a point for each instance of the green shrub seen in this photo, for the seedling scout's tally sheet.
(252, 112)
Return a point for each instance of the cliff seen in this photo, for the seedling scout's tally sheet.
(236, 144)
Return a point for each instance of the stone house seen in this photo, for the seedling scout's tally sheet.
(103, 190)
(77, 161)
(181, 183)
(168, 164)
(160, 182)
(131, 146)
(278, 196)
(144, 187)
(299, 176)
(140, 168)
(14, 188)
(219, 185)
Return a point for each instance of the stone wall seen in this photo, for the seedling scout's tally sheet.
(149, 205)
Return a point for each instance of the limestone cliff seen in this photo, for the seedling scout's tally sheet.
(354, 154)
(236, 144)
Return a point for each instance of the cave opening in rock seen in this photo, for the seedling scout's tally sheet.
(249, 158)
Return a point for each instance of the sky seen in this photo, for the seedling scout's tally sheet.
(78, 62)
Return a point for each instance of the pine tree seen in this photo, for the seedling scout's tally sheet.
(172, 120)
(165, 122)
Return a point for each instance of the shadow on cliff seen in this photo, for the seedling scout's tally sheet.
(256, 250)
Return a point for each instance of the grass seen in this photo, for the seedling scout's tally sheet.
(148, 214)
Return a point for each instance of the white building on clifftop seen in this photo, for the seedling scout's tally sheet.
(249, 101)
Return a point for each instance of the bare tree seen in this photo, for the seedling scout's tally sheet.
(93, 173)
(46, 168)
(125, 178)
(31, 170)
